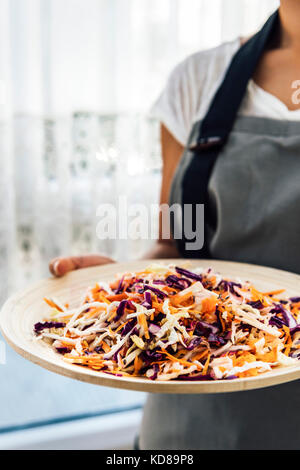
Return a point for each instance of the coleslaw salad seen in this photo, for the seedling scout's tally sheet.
(169, 323)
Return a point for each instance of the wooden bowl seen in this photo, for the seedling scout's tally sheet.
(24, 309)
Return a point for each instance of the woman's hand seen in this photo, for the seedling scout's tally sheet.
(60, 266)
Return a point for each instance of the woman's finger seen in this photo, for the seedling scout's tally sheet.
(60, 266)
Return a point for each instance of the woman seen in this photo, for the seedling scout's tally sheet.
(230, 112)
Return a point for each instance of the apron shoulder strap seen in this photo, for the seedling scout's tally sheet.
(214, 131)
(223, 109)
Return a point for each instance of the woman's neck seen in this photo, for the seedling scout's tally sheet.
(289, 12)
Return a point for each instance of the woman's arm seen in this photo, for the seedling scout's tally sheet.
(171, 153)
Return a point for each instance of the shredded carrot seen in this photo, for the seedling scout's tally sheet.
(138, 364)
(180, 299)
(206, 365)
(143, 322)
(52, 304)
(274, 292)
(176, 322)
(176, 359)
(120, 327)
(105, 347)
(102, 298)
(118, 297)
(209, 305)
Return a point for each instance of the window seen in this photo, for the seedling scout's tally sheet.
(77, 80)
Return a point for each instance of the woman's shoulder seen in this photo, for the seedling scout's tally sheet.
(199, 75)
(209, 63)
(190, 88)
(216, 53)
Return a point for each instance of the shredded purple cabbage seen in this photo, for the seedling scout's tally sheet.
(229, 285)
(62, 350)
(121, 309)
(193, 343)
(289, 320)
(189, 274)
(155, 372)
(159, 283)
(128, 327)
(150, 356)
(119, 289)
(198, 377)
(110, 373)
(275, 321)
(295, 355)
(130, 305)
(256, 304)
(216, 340)
(203, 328)
(162, 295)
(177, 282)
(295, 330)
(148, 301)
(38, 327)
(115, 356)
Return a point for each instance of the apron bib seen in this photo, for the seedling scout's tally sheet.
(251, 191)
(208, 137)
(254, 190)
(253, 194)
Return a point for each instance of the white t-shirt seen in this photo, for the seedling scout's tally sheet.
(193, 84)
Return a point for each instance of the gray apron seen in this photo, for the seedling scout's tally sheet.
(255, 190)
(253, 209)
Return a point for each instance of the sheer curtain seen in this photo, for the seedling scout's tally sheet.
(77, 79)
